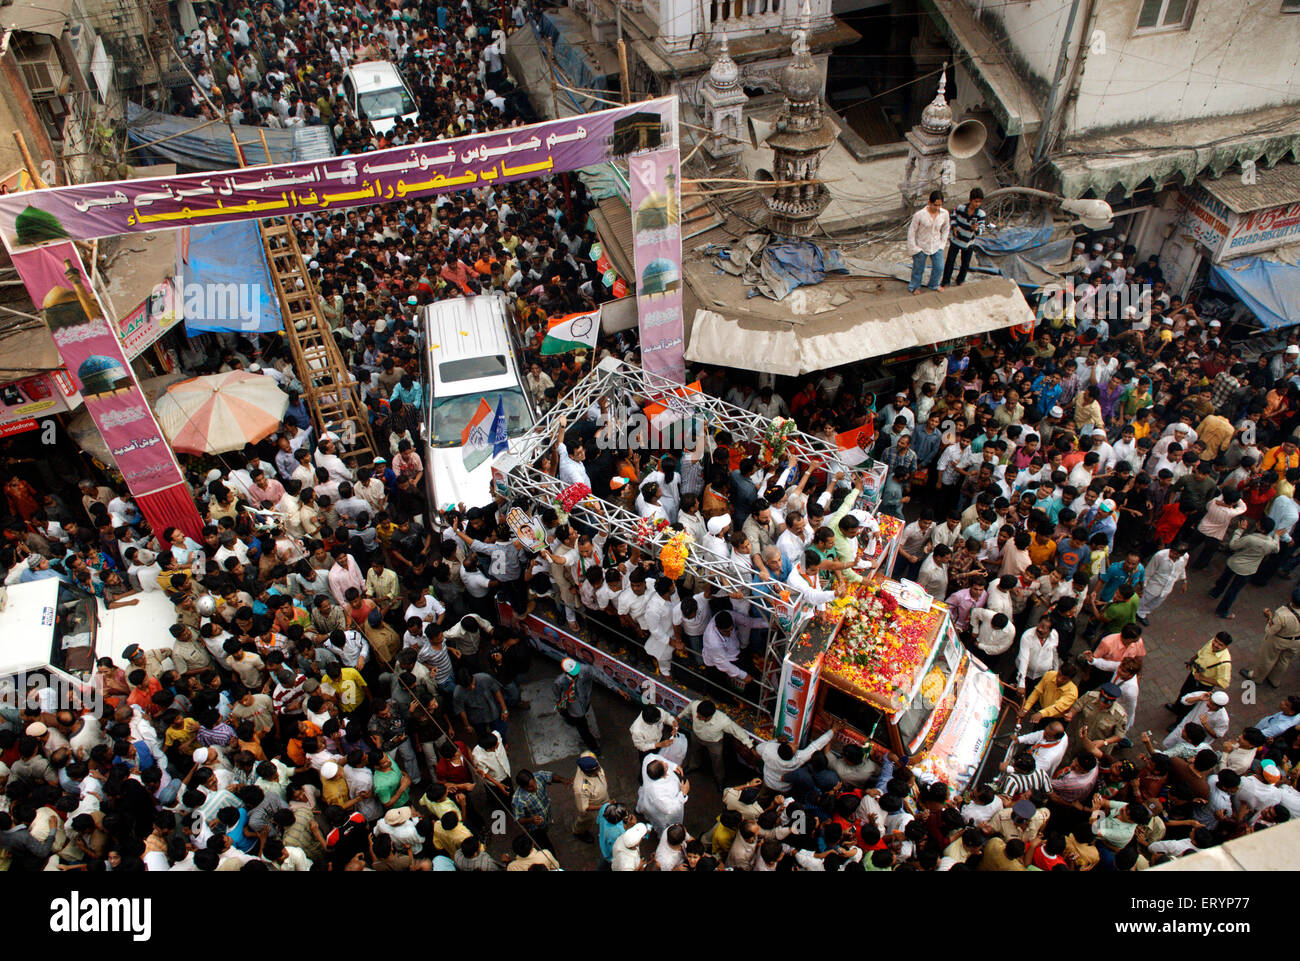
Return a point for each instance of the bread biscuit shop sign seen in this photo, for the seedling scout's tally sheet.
(1263, 230)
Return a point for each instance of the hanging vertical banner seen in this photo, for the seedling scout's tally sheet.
(89, 348)
(657, 253)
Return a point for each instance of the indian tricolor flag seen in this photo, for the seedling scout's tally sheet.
(476, 438)
(671, 407)
(853, 444)
(572, 332)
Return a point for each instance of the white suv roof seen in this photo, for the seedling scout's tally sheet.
(375, 75)
(464, 328)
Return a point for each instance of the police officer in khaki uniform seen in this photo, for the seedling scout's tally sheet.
(1102, 721)
(1281, 641)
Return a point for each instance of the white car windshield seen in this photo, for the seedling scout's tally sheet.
(450, 415)
(382, 104)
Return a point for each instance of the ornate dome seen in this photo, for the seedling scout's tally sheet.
(724, 74)
(801, 81)
(937, 116)
(659, 277)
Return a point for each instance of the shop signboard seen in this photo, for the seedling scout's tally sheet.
(33, 397)
(1264, 229)
(1205, 218)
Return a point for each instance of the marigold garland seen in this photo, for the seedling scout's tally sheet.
(880, 645)
(673, 555)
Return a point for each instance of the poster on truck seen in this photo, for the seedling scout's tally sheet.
(611, 673)
(796, 698)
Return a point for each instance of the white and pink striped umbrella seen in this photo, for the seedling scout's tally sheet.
(221, 412)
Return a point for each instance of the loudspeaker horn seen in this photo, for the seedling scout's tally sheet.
(759, 131)
(967, 139)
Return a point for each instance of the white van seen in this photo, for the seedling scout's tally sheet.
(51, 629)
(471, 355)
(376, 92)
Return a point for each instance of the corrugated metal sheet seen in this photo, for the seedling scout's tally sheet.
(312, 143)
(1272, 188)
(613, 219)
(37, 16)
(867, 328)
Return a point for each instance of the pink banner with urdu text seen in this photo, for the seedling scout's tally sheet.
(89, 347)
(657, 255)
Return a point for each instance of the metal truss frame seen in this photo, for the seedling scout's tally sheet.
(628, 387)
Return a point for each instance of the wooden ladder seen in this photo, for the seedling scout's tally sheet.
(328, 388)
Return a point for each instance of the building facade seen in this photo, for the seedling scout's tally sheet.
(673, 43)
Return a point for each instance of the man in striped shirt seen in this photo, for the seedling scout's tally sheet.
(967, 224)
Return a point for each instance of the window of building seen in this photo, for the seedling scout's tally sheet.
(1160, 15)
(38, 62)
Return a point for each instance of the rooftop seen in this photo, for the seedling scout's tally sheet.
(1272, 188)
(1176, 153)
(863, 185)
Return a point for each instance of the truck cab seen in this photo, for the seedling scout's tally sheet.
(901, 679)
(55, 632)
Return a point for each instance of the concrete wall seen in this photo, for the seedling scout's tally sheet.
(1237, 56)
(18, 113)
(1032, 29)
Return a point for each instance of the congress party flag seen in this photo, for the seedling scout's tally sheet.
(476, 438)
(499, 437)
(853, 445)
(572, 332)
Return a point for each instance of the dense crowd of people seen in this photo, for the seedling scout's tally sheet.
(344, 678)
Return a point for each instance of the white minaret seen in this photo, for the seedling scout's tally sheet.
(927, 149)
(724, 107)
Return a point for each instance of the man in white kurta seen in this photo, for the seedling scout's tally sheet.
(1163, 572)
(662, 801)
(1209, 710)
(661, 619)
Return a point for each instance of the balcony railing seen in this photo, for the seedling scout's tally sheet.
(742, 14)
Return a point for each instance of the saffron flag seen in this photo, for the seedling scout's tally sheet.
(572, 332)
(673, 406)
(476, 438)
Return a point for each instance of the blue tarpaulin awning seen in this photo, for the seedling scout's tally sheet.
(227, 285)
(200, 145)
(1270, 288)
